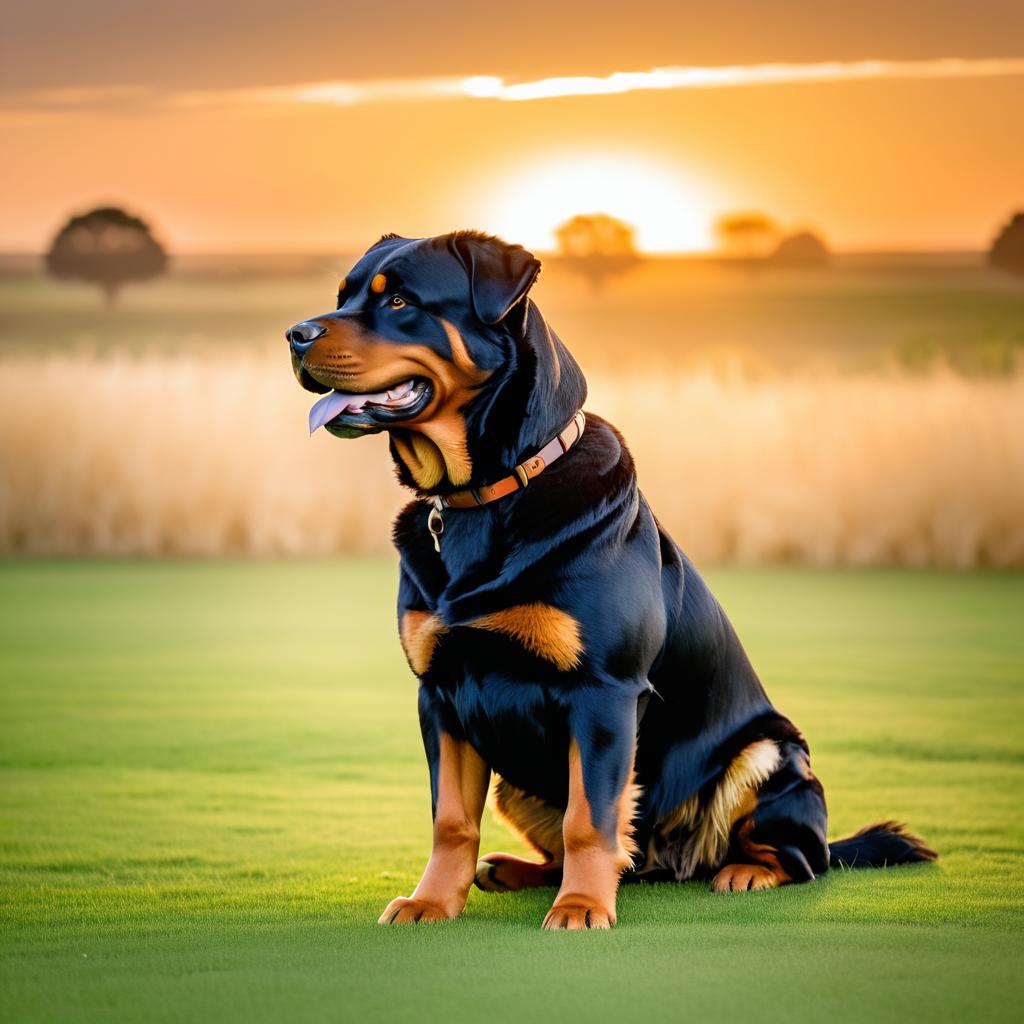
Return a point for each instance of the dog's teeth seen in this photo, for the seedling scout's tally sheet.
(402, 394)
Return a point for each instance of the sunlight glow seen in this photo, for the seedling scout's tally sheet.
(670, 212)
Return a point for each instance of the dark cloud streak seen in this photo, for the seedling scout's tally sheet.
(201, 44)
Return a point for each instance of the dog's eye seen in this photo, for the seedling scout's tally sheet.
(396, 302)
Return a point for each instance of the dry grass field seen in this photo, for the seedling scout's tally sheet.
(157, 455)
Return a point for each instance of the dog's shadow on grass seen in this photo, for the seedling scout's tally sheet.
(647, 903)
(838, 895)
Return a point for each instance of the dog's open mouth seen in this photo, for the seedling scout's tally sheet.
(340, 409)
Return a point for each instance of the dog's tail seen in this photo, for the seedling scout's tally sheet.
(878, 846)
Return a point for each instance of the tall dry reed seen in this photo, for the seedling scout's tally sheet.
(181, 456)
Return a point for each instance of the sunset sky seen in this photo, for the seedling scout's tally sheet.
(309, 126)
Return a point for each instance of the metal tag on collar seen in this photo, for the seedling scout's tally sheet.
(435, 523)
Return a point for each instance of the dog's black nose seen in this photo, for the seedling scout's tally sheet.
(301, 336)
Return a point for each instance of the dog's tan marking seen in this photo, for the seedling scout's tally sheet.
(460, 354)
(446, 428)
(735, 796)
(461, 791)
(428, 470)
(593, 861)
(446, 437)
(746, 877)
(628, 803)
(760, 868)
(341, 284)
(538, 823)
(430, 462)
(420, 632)
(378, 284)
(502, 872)
(421, 456)
(542, 629)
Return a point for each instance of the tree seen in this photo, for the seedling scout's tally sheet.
(1007, 252)
(106, 247)
(802, 249)
(597, 245)
(747, 235)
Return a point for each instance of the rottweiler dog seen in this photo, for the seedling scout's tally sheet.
(561, 639)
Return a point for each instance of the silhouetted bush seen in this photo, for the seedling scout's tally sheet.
(803, 249)
(747, 235)
(1007, 252)
(597, 246)
(106, 247)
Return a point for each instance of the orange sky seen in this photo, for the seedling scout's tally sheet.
(197, 117)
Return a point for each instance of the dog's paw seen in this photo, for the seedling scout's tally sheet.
(744, 878)
(404, 910)
(501, 872)
(577, 916)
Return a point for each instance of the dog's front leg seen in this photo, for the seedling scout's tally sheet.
(597, 826)
(460, 780)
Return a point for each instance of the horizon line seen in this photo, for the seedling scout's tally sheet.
(709, 253)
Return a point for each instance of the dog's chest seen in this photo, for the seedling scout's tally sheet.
(495, 656)
(519, 726)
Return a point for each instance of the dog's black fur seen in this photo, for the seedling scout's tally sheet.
(660, 685)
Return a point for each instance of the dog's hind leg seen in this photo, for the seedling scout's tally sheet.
(537, 823)
(759, 867)
(782, 837)
(504, 872)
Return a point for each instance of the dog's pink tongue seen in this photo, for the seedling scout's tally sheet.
(335, 402)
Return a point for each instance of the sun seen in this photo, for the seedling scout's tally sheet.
(669, 212)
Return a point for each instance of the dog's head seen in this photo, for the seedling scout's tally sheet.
(436, 341)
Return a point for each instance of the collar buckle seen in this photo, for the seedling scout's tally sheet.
(435, 523)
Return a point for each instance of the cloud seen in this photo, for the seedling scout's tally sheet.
(750, 75)
(493, 88)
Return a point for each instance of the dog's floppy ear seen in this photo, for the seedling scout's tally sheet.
(499, 274)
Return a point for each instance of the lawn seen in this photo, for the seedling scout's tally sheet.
(212, 784)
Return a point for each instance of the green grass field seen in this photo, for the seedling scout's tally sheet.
(213, 783)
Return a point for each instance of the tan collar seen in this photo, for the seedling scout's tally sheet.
(517, 480)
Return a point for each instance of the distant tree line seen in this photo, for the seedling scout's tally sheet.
(756, 236)
(599, 246)
(109, 248)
